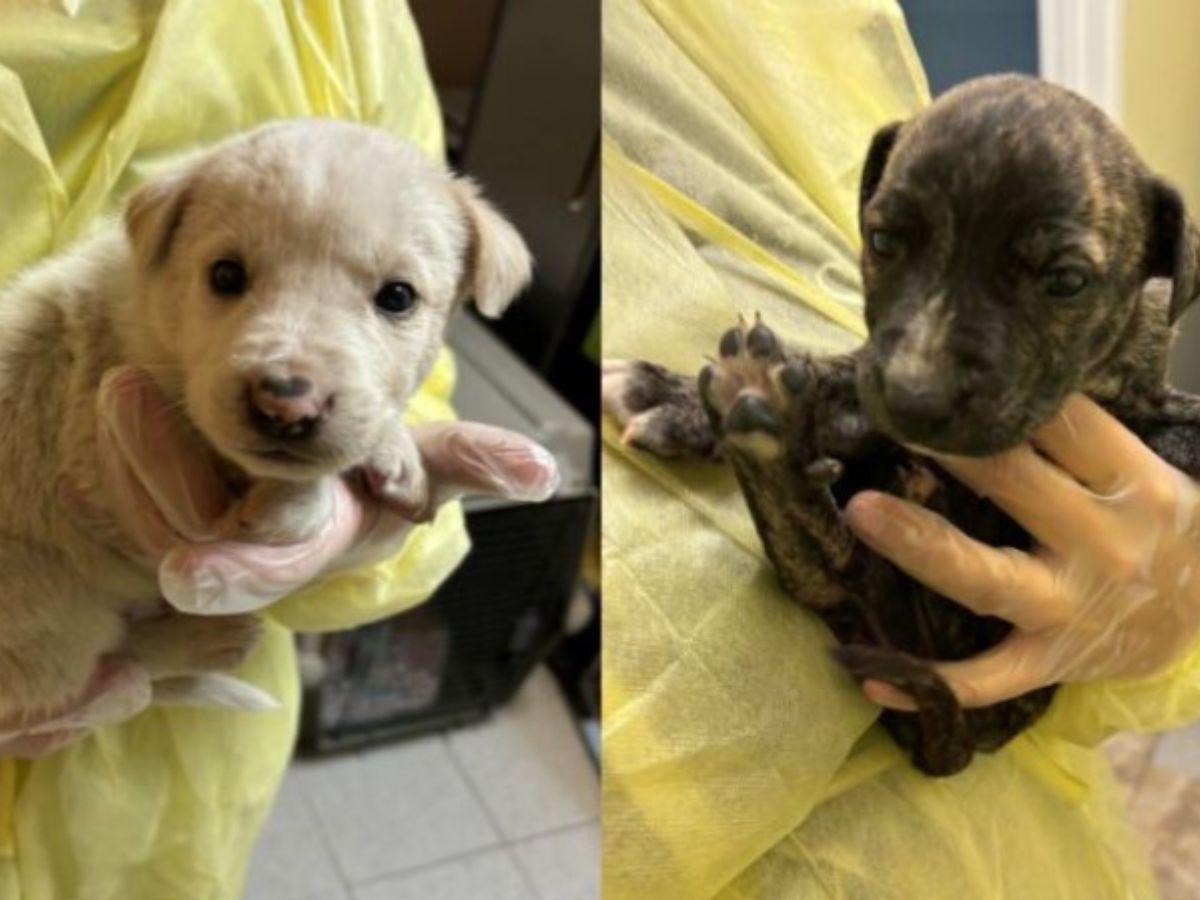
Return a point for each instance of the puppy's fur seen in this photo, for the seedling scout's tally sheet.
(1015, 251)
(319, 215)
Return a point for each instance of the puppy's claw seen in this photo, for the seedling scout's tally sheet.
(824, 472)
(731, 341)
(761, 342)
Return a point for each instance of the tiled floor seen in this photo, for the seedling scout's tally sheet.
(508, 810)
(504, 810)
(1162, 773)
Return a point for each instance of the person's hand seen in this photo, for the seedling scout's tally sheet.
(169, 498)
(1113, 588)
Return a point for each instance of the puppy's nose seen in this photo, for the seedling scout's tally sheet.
(285, 407)
(285, 386)
(921, 403)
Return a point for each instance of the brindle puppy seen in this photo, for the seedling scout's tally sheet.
(1010, 238)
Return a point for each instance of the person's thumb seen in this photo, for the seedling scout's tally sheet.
(472, 458)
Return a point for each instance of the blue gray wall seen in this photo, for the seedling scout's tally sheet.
(959, 39)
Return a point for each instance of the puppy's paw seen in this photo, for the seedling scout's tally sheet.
(659, 410)
(396, 474)
(280, 512)
(761, 403)
(745, 391)
(176, 645)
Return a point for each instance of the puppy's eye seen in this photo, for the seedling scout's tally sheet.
(884, 244)
(1064, 282)
(396, 298)
(228, 278)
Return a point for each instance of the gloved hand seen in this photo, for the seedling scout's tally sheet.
(1113, 588)
(168, 499)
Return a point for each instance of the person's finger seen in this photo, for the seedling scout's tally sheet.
(472, 458)
(459, 458)
(138, 517)
(990, 581)
(1021, 663)
(228, 577)
(1091, 445)
(172, 467)
(1059, 512)
(232, 577)
(884, 694)
(382, 536)
(1015, 666)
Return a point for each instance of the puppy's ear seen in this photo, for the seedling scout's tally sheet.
(498, 266)
(1172, 246)
(877, 157)
(153, 214)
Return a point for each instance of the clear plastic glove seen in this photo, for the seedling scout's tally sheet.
(1113, 588)
(170, 499)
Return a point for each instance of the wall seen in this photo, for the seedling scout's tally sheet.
(959, 39)
(1160, 107)
(1160, 111)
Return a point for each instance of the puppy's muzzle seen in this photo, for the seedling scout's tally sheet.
(286, 408)
(921, 404)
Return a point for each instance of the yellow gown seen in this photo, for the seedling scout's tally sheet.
(738, 761)
(95, 96)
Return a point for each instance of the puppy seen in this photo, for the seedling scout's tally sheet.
(289, 290)
(1014, 251)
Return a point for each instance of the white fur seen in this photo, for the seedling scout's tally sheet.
(922, 350)
(322, 213)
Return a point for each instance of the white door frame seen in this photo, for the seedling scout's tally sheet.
(1079, 47)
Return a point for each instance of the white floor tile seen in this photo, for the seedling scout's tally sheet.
(491, 875)
(394, 808)
(529, 764)
(292, 861)
(564, 865)
(1179, 751)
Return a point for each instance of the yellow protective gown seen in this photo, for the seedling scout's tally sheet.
(739, 761)
(93, 97)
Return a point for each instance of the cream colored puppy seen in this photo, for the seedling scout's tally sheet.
(291, 288)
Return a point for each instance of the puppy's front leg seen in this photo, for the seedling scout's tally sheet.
(397, 474)
(52, 633)
(659, 410)
(280, 512)
(769, 410)
(662, 413)
(176, 645)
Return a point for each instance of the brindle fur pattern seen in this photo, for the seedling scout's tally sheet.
(996, 184)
